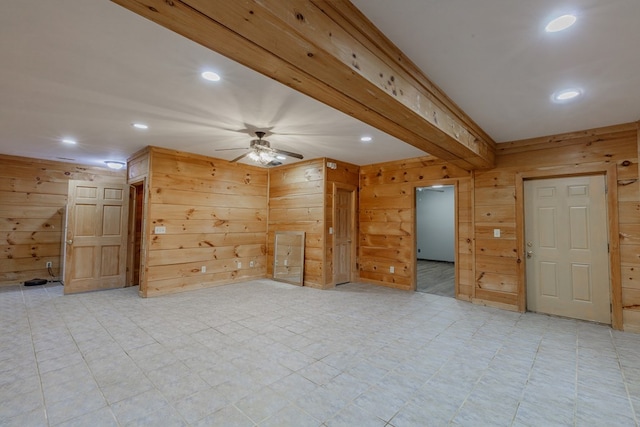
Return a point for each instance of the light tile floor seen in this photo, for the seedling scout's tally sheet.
(270, 354)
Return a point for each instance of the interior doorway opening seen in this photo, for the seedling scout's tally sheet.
(136, 203)
(436, 240)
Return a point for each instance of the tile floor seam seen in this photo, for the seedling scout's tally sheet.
(626, 385)
(44, 407)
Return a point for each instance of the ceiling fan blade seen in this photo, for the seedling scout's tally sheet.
(229, 149)
(240, 157)
(287, 153)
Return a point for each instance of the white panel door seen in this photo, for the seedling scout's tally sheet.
(566, 246)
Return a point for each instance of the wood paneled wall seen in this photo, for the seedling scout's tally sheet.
(345, 175)
(215, 215)
(297, 203)
(33, 194)
(387, 220)
(498, 262)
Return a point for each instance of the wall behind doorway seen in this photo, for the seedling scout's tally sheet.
(33, 194)
(435, 223)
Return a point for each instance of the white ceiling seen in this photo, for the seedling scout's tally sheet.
(494, 59)
(88, 69)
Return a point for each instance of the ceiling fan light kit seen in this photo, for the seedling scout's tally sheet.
(261, 157)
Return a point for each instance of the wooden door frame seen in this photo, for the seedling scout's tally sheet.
(354, 230)
(132, 230)
(142, 281)
(611, 182)
(414, 234)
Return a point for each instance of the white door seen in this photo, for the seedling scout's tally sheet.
(96, 236)
(566, 247)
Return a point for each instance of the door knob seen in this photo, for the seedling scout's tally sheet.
(529, 254)
(69, 242)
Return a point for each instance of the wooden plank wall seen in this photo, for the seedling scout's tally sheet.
(215, 214)
(344, 174)
(296, 203)
(387, 220)
(497, 267)
(33, 194)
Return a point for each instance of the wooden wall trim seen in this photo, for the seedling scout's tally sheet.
(611, 176)
(315, 48)
(543, 142)
(325, 273)
(472, 189)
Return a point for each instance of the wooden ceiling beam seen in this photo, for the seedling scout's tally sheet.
(329, 51)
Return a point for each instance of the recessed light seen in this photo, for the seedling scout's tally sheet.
(114, 165)
(560, 23)
(566, 95)
(366, 139)
(140, 126)
(69, 141)
(211, 76)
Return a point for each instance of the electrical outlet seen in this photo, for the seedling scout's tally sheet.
(239, 264)
(49, 264)
(203, 269)
(392, 269)
(252, 263)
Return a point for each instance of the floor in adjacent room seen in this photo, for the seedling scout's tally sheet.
(436, 277)
(271, 354)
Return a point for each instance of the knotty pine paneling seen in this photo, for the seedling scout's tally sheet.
(33, 194)
(215, 215)
(297, 203)
(558, 154)
(387, 220)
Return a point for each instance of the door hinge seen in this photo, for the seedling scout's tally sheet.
(607, 248)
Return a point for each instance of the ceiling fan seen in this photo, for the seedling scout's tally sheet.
(260, 151)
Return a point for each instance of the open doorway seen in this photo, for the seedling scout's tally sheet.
(435, 240)
(136, 204)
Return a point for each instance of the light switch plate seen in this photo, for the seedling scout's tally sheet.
(160, 230)
(496, 232)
